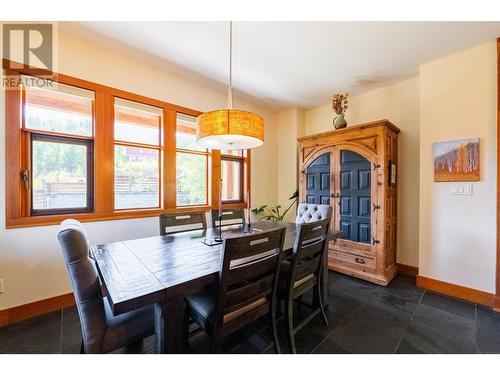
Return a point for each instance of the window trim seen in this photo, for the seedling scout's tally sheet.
(17, 157)
(241, 160)
(89, 144)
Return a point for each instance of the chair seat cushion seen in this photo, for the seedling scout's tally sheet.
(285, 276)
(127, 328)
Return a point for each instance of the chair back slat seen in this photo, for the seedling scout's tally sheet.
(229, 217)
(249, 269)
(313, 248)
(248, 292)
(182, 222)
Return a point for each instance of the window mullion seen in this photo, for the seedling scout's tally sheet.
(169, 154)
(104, 153)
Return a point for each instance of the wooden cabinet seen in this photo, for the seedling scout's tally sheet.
(355, 171)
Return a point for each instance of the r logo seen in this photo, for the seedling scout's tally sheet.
(30, 45)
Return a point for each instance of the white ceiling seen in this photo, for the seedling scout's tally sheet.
(287, 64)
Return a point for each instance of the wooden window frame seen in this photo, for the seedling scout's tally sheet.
(89, 144)
(158, 147)
(17, 159)
(241, 161)
(208, 167)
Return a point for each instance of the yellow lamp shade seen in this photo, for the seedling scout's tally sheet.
(229, 129)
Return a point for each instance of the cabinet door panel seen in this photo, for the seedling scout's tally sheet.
(318, 180)
(355, 197)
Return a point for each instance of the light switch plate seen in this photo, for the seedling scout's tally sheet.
(461, 189)
(2, 291)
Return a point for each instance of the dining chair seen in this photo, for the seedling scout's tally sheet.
(246, 288)
(303, 272)
(182, 222)
(229, 217)
(102, 332)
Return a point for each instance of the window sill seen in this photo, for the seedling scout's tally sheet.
(38, 221)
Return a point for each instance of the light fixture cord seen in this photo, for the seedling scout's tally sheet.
(230, 88)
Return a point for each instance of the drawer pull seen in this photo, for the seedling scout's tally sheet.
(360, 260)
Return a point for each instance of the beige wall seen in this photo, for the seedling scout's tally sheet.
(290, 127)
(31, 262)
(457, 233)
(398, 103)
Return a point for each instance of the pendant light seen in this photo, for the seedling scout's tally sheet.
(230, 129)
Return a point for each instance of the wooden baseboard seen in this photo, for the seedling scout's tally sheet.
(457, 291)
(408, 270)
(18, 313)
(496, 303)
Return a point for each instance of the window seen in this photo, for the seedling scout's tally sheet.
(137, 155)
(59, 125)
(77, 149)
(232, 173)
(191, 165)
(65, 110)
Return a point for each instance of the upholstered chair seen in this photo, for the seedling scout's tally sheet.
(307, 212)
(102, 332)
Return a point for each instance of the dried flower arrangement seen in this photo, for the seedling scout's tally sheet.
(340, 103)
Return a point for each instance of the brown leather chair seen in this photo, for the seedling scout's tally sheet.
(182, 222)
(246, 288)
(102, 331)
(303, 273)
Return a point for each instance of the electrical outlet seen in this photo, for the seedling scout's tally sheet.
(2, 290)
(461, 189)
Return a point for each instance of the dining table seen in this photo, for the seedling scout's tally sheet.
(163, 270)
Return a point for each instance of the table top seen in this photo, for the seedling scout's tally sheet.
(140, 272)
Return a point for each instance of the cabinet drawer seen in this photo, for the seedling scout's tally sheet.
(352, 259)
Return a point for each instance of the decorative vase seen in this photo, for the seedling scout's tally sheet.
(339, 122)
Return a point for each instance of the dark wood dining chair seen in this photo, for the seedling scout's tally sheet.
(182, 222)
(246, 288)
(303, 272)
(229, 217)
(102, 332)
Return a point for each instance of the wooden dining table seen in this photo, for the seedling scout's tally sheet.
(163, 270)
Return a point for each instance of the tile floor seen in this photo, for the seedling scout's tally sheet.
(363, 318)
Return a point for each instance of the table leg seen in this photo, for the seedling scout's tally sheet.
(169, 325)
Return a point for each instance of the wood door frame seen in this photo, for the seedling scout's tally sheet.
(496, 298)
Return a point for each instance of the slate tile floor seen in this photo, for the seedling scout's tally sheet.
(363, 318)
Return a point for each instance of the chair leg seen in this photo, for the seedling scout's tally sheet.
(289, 325)
(279, 311)
(277, 348)
(135, 348)
(317, 291)
(82, 348)
(218, 343)
(186, 330)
